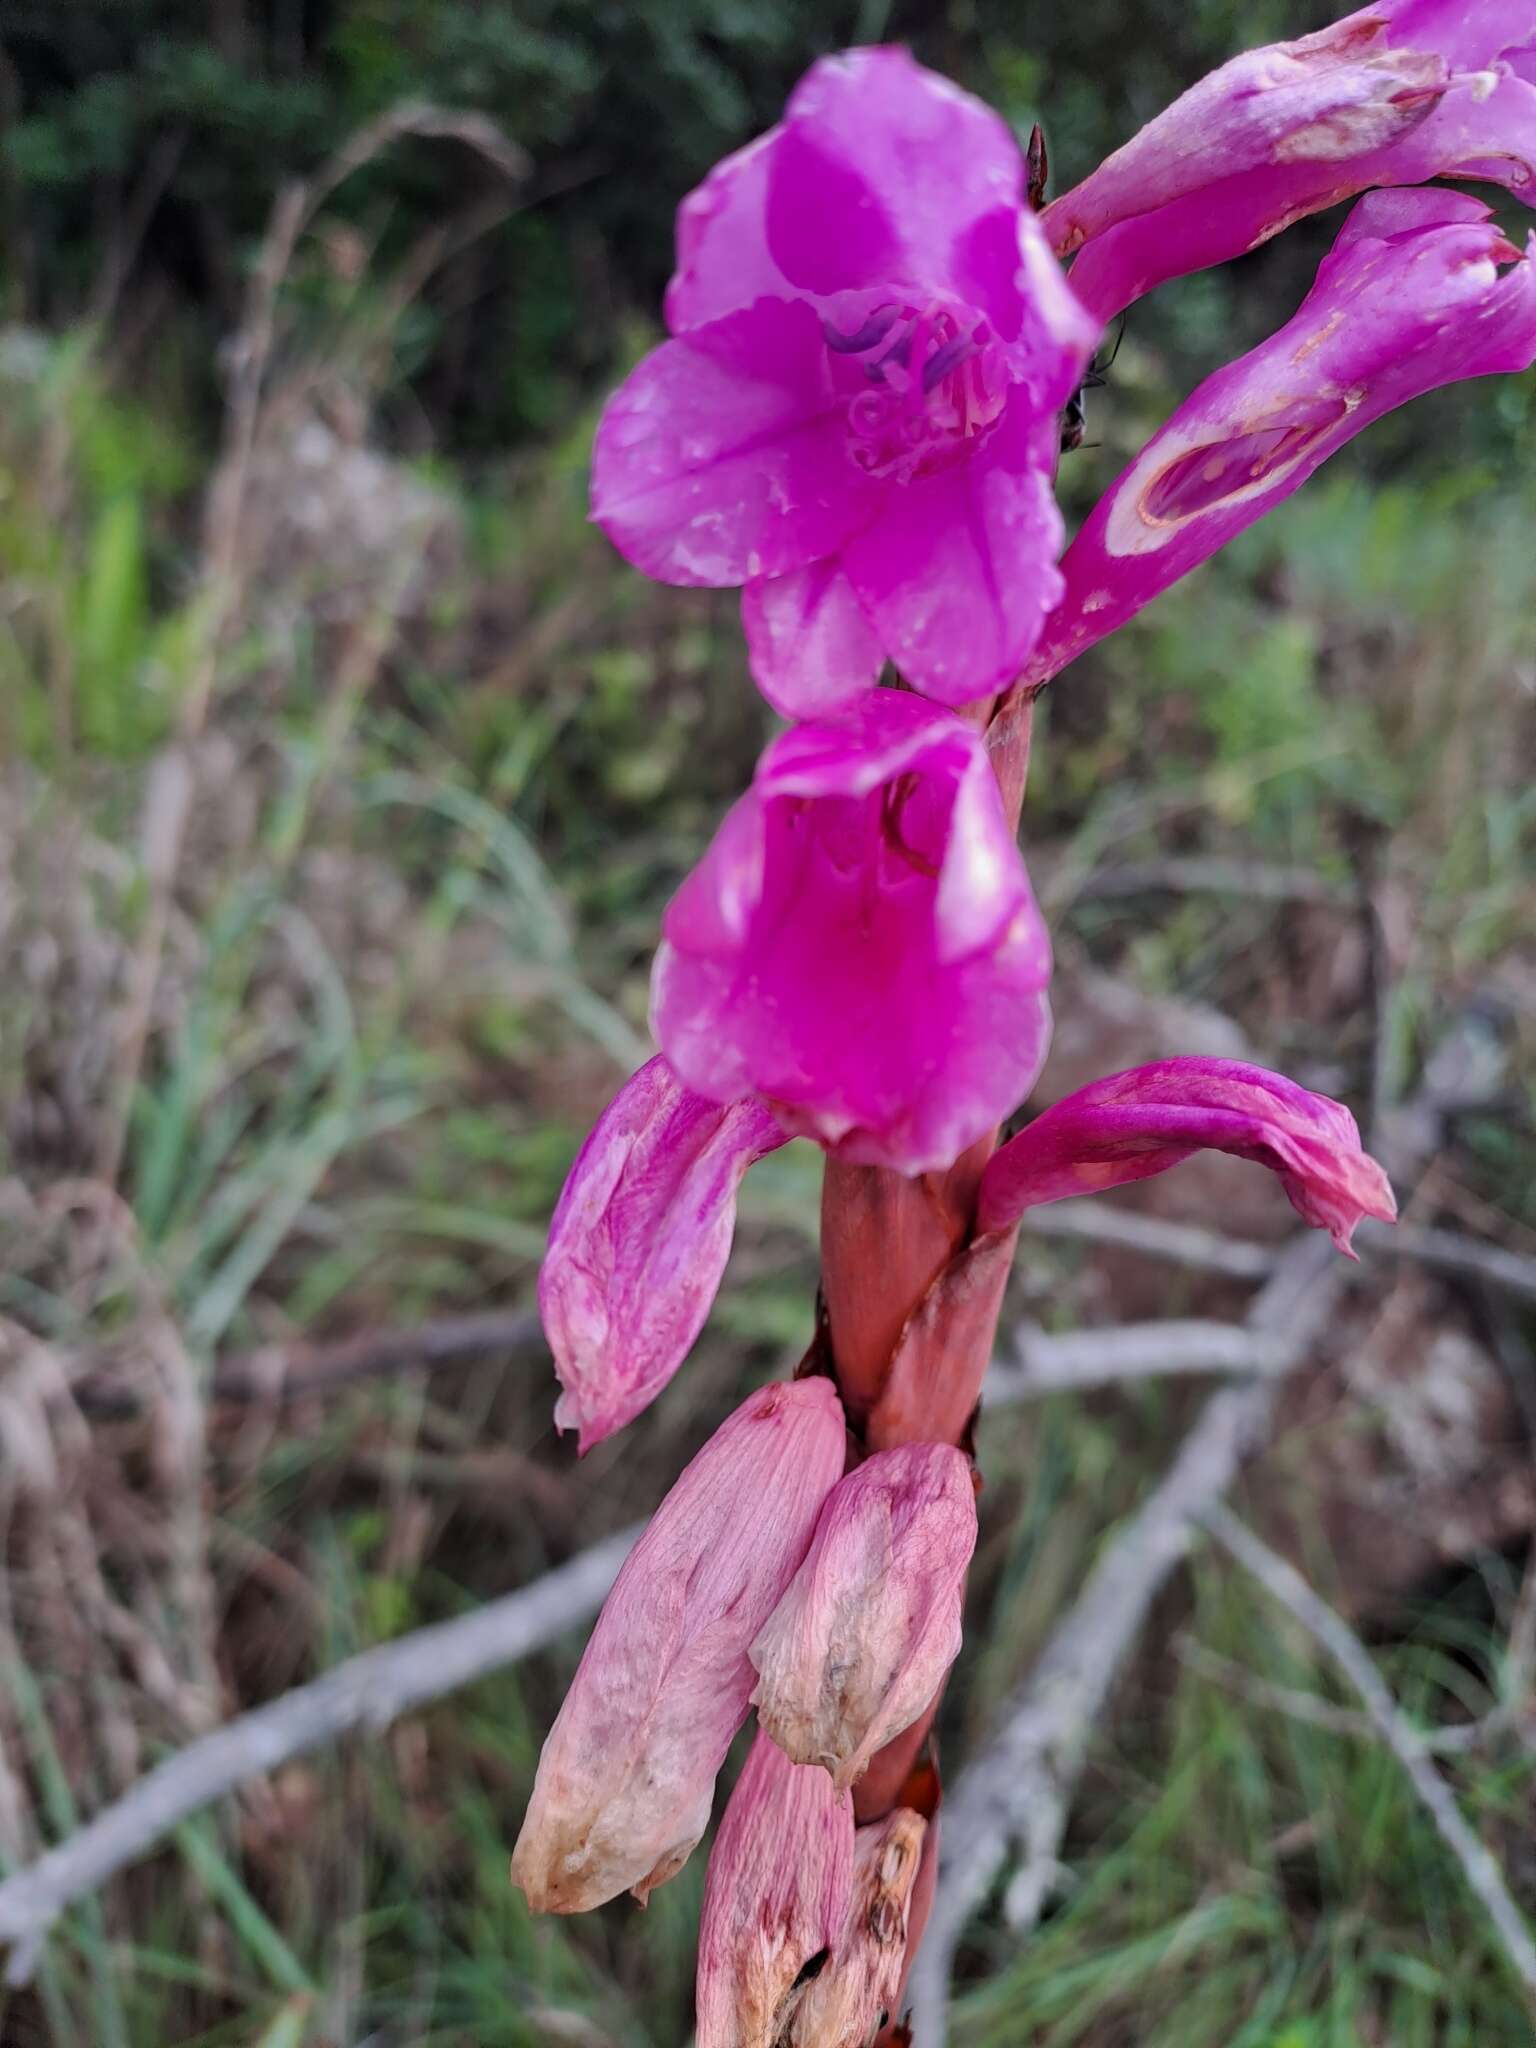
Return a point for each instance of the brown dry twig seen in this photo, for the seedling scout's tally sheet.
(368, 1691)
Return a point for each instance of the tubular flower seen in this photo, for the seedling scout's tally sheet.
(859, 945)
(1401, 92)
(775, 1900)
(638, 1242)
(1421, 289)
(861, 1982)
(859, 1643)
(1132, 1125)
(856, 416)
(626, 1777)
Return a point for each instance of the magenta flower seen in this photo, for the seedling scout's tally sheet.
(627, 1775)
(1403, 91)
(856, 417)
(860, 1642)
(638, 1242)
(1420, 289)
(1132, 1125)
(776, 1897)
(859, 945)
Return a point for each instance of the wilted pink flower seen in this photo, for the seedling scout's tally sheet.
(626, 1777)
(1129, 1126)
(638, 1242)
(856, 418)
(1403, 91)
(857, 1647)
(1420, 289)
(861, 1982)
(859, 944)
(775, 1899)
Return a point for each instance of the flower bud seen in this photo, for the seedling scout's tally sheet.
(775, 1900)
(857, 1647)
(1132, 1125)
(638, 1242)
(859, 1988)
(626, 1778)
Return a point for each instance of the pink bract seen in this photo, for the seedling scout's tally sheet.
(627, 1775)
(1420, 289)
(1401, 92)
(638, 1242)
(1132, 1125)
(872, 341)
(859, 944)
(777, 1895)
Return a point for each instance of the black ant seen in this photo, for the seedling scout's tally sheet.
(1074, 414)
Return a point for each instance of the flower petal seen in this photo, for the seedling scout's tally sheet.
(1420, 289)
(626, 1777)
(842, 2004)
(811, 649)
(1132, 1125)
(958, 571)
(723, 455)
(723, 262)
(639, 1240)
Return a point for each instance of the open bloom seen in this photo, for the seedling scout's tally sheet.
(859, 945)
(627, 1775)
(1422, 288)
(1131, 1125)
(1398, 93)
(856, 417)
(857, 1647)
(775, 1901)
(638, 1242)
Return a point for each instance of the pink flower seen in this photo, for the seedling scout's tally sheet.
(1420, 289)
(775, 1900)
(861, 1981)
(626, 1777)
(1403, 91)
(857, 1647)
(1132, 1125)
(638, 1242)
(859, 945)
(856, 418)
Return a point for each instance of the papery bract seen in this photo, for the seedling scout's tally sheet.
(775, 1899)
(862, 1978)
(1131, 1125)
(626, 1777)
(870, 1623)
(1420, 289)
(638, 1242)
(871, 344)
(859, 945)
(1401, 92)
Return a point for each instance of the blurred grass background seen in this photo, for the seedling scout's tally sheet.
(316, 1062)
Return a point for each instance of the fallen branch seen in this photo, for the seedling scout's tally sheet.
(367, 1691)
(1327, 1628)
(1194, 874)
(1043, 1363)
(1184, 1244)
(1018, 1791)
